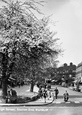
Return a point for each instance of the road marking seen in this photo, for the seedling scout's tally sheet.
(77, 102)
(58, 102)
(68, 102)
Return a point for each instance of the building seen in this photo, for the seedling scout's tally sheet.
(79, 72)
(67, 73)
(68, 70)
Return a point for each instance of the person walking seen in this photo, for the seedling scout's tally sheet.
(45, 94)
(53, 95)
(49, 94)
(56, 92)
(66, 96)
(40, 92)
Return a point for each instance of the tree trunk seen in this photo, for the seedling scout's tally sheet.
(4, 88)
(32, 87)
(4, 70)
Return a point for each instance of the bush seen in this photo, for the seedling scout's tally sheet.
(35, 98)
(23, 99)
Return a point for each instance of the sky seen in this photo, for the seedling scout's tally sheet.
(67, 15)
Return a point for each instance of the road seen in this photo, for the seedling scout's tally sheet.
(55, 108)
(74, 96)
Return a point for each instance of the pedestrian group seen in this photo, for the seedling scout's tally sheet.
(47, 93)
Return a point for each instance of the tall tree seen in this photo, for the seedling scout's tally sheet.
(23, 35)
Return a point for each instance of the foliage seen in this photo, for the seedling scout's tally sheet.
(26, 42)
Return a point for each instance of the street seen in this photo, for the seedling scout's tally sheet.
(73, 95)
(58, 107)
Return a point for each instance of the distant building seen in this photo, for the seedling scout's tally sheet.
(79, 72)
(67, 72)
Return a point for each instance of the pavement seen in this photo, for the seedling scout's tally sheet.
(39, 102)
